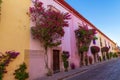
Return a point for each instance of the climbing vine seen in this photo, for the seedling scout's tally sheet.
(5, 59)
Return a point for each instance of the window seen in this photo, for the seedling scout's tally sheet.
(100, 42)
(105, 43)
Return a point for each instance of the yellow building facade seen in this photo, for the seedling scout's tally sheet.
(14, 31)
(105, 41)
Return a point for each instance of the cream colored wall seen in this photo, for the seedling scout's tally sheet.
(14, 31)
(103, 42)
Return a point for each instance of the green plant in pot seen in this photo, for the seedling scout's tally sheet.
(65, 57)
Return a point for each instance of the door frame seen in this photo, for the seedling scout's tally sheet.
(60, 58)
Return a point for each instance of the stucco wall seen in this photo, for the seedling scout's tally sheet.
(14, 31)
(15, 35)
(68, 41)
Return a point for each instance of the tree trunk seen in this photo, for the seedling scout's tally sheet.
(46, 58)
(94, 57)
(83, 58)
(49, 72)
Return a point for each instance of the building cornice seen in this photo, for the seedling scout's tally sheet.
(66, 5)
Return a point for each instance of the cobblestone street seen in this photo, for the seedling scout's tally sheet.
(106, 71)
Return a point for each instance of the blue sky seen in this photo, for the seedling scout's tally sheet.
(104, 14)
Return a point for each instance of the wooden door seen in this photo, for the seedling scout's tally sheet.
(56, 61)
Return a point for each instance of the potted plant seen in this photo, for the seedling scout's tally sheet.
(65, 57)
(90, 59)
(94, 40)
(72, 66)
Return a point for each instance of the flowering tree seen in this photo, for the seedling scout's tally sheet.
(84, 37)
(95, 50)
(48, 28)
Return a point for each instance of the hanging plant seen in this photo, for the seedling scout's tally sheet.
(48, 28)
(94, 39)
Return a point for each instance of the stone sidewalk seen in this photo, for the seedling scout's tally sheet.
(63, 75)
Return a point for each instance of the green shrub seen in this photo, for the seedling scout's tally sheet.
(66, 65)
(111, 54)
(108, 56)
(83, 49)
(115, 55)
(20, 73)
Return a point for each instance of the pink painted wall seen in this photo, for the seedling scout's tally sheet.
(37, 66)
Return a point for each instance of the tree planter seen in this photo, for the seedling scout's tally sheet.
(72, 65)
(87, 60)
(90, 60)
